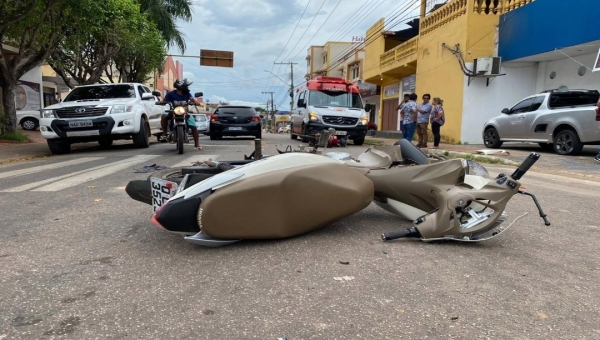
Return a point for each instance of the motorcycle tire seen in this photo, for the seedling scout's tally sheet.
(180, 137)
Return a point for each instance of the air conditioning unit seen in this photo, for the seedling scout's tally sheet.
(487, 66)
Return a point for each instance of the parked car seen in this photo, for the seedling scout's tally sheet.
(201, 123)
(231, 120)
(29, 120)
(560, 120)
(102, 113)
(371, 126)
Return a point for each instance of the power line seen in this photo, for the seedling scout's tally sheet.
(307, 27)
(319, 29)
(290, 38)
(368, 40)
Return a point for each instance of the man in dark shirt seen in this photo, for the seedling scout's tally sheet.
(180, 96)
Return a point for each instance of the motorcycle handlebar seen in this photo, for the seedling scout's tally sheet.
(525, 166)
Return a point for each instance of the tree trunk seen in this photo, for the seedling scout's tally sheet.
(9, 124)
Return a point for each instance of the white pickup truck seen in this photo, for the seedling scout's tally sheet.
(102, 113)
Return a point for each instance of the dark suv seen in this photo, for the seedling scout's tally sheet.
(232, 120)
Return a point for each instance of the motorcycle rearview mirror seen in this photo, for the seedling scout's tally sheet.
(198, 94)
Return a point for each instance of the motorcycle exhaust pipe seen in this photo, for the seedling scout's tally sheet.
(410, 232)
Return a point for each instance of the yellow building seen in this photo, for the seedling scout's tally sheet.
(432, 61)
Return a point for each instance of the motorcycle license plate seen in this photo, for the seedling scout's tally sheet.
(162, 191)
(341, 133)
(80, 123)
(235, 128)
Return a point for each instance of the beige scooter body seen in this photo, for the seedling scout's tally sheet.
(295, 193)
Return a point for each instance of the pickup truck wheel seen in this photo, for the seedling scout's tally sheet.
(140, 139)
(566, 142)
(359, 141)
(491, 139)
(292, 135)
(29, 124)
(59, 147)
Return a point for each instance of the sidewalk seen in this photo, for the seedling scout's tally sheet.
(37, 148)
(581, 166)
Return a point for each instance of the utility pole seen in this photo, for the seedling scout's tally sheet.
(292, 84)
(271, 114)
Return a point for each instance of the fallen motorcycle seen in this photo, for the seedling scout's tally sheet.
(457, 206)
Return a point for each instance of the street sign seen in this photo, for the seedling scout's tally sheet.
(216, 58)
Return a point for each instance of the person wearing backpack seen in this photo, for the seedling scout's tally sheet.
(438, 118)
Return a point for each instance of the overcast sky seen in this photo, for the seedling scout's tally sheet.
(260, 32)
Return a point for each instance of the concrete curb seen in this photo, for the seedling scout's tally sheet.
(501, 160)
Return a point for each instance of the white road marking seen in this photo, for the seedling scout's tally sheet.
(53, 166)
(70, 180)
(193, 159)
(29, 186)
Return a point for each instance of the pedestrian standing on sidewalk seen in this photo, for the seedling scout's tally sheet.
(410, 117)
(437, 120)
(424, 111)
(400, 106)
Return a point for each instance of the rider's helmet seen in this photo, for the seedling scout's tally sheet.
(182, 84)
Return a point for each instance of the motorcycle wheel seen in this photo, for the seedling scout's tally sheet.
(180, 137)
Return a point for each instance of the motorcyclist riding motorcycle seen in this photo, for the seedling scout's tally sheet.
(180, 96)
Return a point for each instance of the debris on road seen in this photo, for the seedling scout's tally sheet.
(150, 168)
(344, 262)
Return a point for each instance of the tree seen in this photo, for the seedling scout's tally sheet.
(91, 42)
(30, 29)
(165, 13)
(146, 53)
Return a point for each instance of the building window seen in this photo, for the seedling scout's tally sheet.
(308, 62)
(355, 72)
(324, 59)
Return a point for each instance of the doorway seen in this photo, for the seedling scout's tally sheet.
(389, 121)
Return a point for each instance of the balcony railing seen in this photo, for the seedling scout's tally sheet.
(456, 8)
(443, 15)
(499, 6)
(401, 54)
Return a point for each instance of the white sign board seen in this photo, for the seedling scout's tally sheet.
(597, 64)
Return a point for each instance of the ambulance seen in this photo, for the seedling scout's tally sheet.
(326, 102)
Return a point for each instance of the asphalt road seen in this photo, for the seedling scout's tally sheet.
(80, 260)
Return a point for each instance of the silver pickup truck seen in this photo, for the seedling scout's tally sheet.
(560, 120)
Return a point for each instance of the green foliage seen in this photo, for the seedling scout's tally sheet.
(91, 40)
(165, 13)
(145, 54)
(17, 137)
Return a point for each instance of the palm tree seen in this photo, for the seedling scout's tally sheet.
(165, 13)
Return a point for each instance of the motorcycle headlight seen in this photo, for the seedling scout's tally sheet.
(120, 109)
(314, 117)
(180, 110)
(48, 114)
